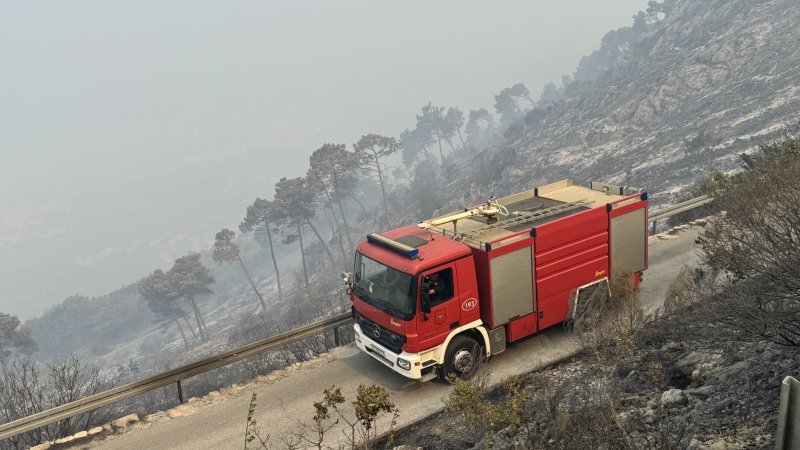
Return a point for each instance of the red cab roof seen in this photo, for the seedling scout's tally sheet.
(436, 249)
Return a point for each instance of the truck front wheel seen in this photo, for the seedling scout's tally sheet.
(461, 358)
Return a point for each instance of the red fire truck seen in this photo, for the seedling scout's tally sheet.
(435, 298)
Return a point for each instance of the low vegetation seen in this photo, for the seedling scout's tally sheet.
(26, 388)
(357, 422)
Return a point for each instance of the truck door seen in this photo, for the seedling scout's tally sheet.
(441, 286)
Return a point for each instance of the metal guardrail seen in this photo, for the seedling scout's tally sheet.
(67, 410)
(679, 208)
(173, 376)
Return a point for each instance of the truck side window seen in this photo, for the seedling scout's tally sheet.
(440, 286)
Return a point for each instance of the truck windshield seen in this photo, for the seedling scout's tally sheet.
(385, 288)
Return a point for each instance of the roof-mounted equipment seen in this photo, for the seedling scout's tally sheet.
(397, 247)
(490, 209)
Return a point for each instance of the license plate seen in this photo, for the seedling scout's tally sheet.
(377, 350)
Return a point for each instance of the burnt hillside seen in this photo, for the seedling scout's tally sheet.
(701, 84)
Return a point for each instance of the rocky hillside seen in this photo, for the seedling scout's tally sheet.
(702, 83)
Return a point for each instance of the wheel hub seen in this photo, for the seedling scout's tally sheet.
(463, 360)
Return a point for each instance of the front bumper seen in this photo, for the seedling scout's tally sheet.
(389, 358)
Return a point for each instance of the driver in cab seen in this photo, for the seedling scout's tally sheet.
(438, 287)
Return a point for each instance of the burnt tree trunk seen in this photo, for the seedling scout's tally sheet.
(303, 254)
(200, 323)
(274, 260)
(322, 241)
(253, 285)
(341, 210)
(183, 335)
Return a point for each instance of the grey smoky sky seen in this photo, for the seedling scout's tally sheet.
(131, 131)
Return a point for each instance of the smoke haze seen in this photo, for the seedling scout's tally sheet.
(131, 131)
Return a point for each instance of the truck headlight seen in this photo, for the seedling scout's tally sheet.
(403, 364)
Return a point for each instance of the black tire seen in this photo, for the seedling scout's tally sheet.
(461, 358)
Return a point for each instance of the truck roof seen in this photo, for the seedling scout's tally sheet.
(527, 210)
(434, 249)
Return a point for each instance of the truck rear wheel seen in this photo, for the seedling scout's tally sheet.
(461, 358)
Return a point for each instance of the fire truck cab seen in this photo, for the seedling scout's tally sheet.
(433, 299)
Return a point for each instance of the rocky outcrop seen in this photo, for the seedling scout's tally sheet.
(711, 80)
(673, 398)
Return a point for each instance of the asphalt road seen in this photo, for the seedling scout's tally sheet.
(282, 403)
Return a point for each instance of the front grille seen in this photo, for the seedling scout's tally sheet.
(381, 335)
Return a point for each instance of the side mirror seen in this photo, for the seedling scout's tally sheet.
(347, 277)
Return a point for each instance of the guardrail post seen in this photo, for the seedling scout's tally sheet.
(788, 435)
(336, 339)
(180, 392)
